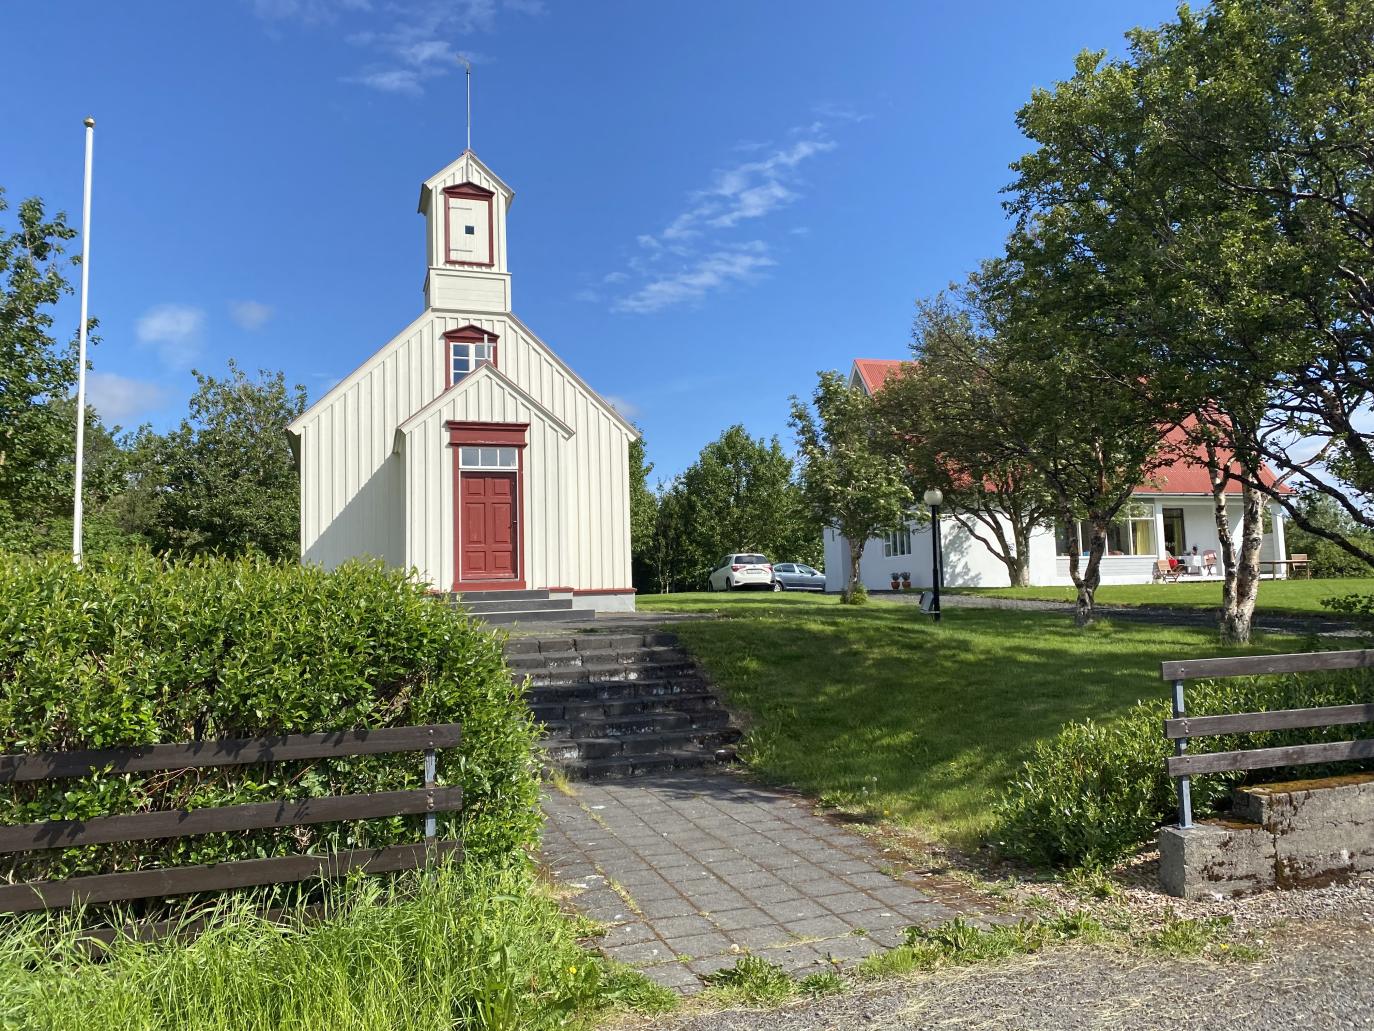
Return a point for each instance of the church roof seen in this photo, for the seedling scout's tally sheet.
(471, 160)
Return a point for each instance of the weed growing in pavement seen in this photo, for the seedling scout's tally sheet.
(826, 982)
(753, 980)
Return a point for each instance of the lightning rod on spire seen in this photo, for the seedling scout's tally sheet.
(468, 65)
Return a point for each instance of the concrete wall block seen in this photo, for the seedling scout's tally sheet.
(1216, 859)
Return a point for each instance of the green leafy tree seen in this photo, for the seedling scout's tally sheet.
(643, 515)
(740, 495)
(850, 479)
(1327, 559)
(36, 374)
(938, 414)
(227, 481)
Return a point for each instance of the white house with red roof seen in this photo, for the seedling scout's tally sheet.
(1167, 516)
(465, 450)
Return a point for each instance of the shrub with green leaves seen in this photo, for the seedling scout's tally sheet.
(135, 650)
(1097, 791)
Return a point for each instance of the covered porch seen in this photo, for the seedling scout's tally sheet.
(1159, 526)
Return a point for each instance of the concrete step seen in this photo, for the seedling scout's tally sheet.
(568, 615)
(470, 596)
(489, 605)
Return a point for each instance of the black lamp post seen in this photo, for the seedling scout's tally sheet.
(934, 498)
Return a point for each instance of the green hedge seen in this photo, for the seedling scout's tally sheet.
(137, 650)
(1097, 791)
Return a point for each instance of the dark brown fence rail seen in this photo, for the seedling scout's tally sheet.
(1182, 766)
(140, 884)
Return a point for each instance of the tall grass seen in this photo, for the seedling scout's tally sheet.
(464, 946)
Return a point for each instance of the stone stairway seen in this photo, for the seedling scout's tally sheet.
(621, 705)
(505, 607)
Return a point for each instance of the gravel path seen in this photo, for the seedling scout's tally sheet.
(1318, 977)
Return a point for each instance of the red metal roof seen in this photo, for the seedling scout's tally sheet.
(1186, 473)
(874, 372)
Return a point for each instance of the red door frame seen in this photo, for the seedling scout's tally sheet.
(490, 434)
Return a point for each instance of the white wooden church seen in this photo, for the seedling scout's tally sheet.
(465, 449)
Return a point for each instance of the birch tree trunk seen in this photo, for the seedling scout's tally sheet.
(1086, 581)
(855, 555)
(1239, 614)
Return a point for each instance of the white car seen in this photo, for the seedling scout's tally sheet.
(745, 569)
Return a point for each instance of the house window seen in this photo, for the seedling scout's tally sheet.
(898, 542)
(1131, 533)
(466, 355)
(488, 457)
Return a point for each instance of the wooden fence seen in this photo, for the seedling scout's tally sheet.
(142, 884)
(1183, 766)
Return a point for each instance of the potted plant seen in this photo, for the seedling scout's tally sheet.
(896, 581)
(906, 581)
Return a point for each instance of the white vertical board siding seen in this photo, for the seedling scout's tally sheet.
(430, 477)
(351, 501)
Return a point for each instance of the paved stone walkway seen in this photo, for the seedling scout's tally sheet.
(690, 870)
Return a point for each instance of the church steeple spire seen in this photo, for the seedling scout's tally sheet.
(465, 207)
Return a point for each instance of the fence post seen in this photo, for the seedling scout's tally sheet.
(429, 786)
(1185, 783)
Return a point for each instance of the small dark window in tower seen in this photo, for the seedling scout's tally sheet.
(470, 230)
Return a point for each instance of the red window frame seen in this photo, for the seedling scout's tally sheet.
(468, 335)
(473, 192)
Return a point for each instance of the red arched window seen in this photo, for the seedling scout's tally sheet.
(466, 349)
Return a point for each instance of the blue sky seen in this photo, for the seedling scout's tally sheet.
(713, 200)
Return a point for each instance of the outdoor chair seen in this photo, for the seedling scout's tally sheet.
(1164, 573)
(1209, 562)
(1299, 562)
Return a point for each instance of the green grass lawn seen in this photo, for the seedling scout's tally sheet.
(1277, 597)
(878, 711)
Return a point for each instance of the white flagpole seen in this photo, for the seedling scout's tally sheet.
(81, 348)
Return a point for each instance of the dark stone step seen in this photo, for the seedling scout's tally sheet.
(564, 749)
(601, 708)
(609, 672)
(638, 723)
(621, 766)
(615, 690)
(577, 659)
(586, 643)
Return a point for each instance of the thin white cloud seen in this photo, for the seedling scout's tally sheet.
(694, 253)
(174, 331)
(696, 280)
(120, 399)
(408, 43)
(625, 407)
(250, 315)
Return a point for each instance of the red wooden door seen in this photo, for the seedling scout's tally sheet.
(486, 525)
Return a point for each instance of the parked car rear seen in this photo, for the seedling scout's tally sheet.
(797, 576)
(742, 569)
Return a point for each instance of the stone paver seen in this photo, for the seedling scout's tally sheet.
(690, 870)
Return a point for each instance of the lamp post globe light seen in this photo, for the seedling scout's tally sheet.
(934, 497)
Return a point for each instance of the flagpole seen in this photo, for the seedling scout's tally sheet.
(81, 347)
